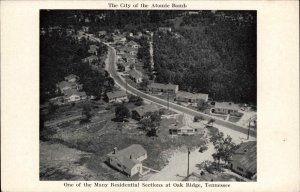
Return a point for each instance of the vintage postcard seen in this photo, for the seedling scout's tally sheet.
(134, 96)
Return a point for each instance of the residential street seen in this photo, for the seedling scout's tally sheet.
(111, 68)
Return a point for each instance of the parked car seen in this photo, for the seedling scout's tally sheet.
(203, 148)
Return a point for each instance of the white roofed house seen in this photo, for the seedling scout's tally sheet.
(129, 58)
(135, 75)
(117, 96)
(90, 59)
(93, 49)
(191, 97)
(119, 38)
(133, 44)
(226, 107)
(73, 95)
(165, 88)
(128, 160)
(141, 112)
(72, 78)
(165, 29)
(65, 85)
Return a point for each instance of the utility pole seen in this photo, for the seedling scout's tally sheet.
(126, 85)
(168, 100)
(249, 129)
(188, 165)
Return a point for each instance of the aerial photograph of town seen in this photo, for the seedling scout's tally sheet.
(148, 95)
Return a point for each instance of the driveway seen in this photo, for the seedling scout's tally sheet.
(176, 170)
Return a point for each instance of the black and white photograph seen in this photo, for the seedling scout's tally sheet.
(148, 95)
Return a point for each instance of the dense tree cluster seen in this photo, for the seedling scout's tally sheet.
(218, 59)
(109, 20)
(61, 56)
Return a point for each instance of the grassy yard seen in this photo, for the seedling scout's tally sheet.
(100, 139)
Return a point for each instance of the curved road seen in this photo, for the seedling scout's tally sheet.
(113, 72)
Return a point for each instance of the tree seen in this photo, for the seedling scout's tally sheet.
(122, 112)
(211, 121)
(86, 113)
(145, 82)
(198, 118)
(136, 100)
(202, 105)
(223, 146)
(151, 123)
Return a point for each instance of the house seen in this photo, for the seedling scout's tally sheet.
(129, 58)
(72, 95)
(142, 111)
(165, 29)
(135, 75)
(133, 44)
(128, 160)
(131, 50)
(102, 33)
(90, 59)
(65, 85)
(243, 160)
(93, 49)
(85, 28)
(117, 96)
(225, 107)
(119, 39)
(191, 97)
(71, 78)
(165, 88)
(184, 130)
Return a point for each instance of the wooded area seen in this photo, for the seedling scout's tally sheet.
(218, 58)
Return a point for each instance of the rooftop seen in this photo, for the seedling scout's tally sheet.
(69, 77)
(162, 86)
(192, 95)
(116, 94)
(142, 110)
(63, 84)
(246, 156)
(227, 105)
(128, 156)
(135, 74)
(71, 92)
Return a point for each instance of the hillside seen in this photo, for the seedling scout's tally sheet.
(214, 56)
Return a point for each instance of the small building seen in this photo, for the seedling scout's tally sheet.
(72, 78)
(135, 75)
(165, 29)
(85, 28)
(128, 57)
(226, 107)
(117, 96)
(131, 50)
(133, 44)
(65, 85)
(244, 159)
(72, 95)
(93, 49)
(102, 33)
(128, 160)
(191, 97)
(119, 39)
(165, 88)
(90, 59)
(184, 130)
(142, 111)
